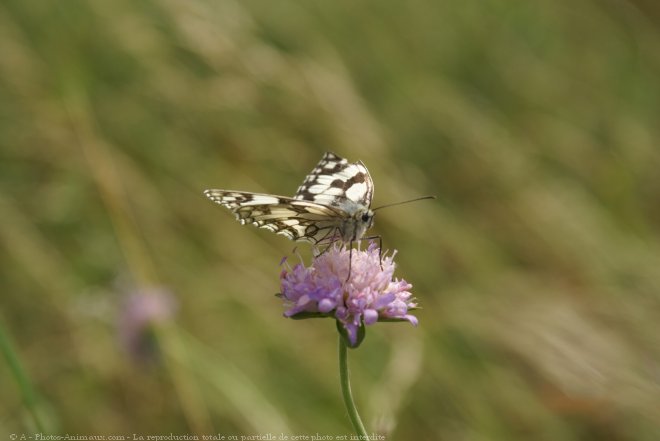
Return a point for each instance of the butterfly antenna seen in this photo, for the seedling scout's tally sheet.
(404, 202)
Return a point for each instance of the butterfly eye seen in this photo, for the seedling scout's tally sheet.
(365, 217)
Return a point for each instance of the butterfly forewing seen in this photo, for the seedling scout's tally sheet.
(296, 219)
(334, 180)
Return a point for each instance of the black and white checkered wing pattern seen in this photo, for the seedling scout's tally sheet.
(332, 204)
(334, 182)
(298, 220)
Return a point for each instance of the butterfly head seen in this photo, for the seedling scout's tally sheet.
(363, 219)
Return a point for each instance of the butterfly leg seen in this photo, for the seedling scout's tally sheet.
(329, 239)
(323, 251)
(350, 252)
(380, 248)
(350, 259)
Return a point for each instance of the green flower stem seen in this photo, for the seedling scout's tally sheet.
(346, 391)
(29, 395)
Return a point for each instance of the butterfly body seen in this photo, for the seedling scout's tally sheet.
(332, 204)
(354, 227)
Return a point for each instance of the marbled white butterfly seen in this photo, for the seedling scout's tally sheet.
(332, 204)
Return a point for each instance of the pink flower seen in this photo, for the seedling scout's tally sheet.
(140, 310)
(369, 295)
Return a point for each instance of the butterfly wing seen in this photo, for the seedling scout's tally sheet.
(298, 220)
(336, 182)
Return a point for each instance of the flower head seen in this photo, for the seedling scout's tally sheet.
(141, 310)
(370, 293)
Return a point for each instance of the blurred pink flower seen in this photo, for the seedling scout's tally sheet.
(139, 311)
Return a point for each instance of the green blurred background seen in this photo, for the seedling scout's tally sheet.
(538, 266)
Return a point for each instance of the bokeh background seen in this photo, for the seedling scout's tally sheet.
(538, 267)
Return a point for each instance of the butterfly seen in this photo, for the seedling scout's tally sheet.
(332, 204)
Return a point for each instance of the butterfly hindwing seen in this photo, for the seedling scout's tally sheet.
(298, 220)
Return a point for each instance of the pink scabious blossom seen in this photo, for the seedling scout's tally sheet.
(369, 295)
(140, 310)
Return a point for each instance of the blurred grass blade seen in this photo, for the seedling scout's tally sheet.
(28, 393)
(227, 379)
